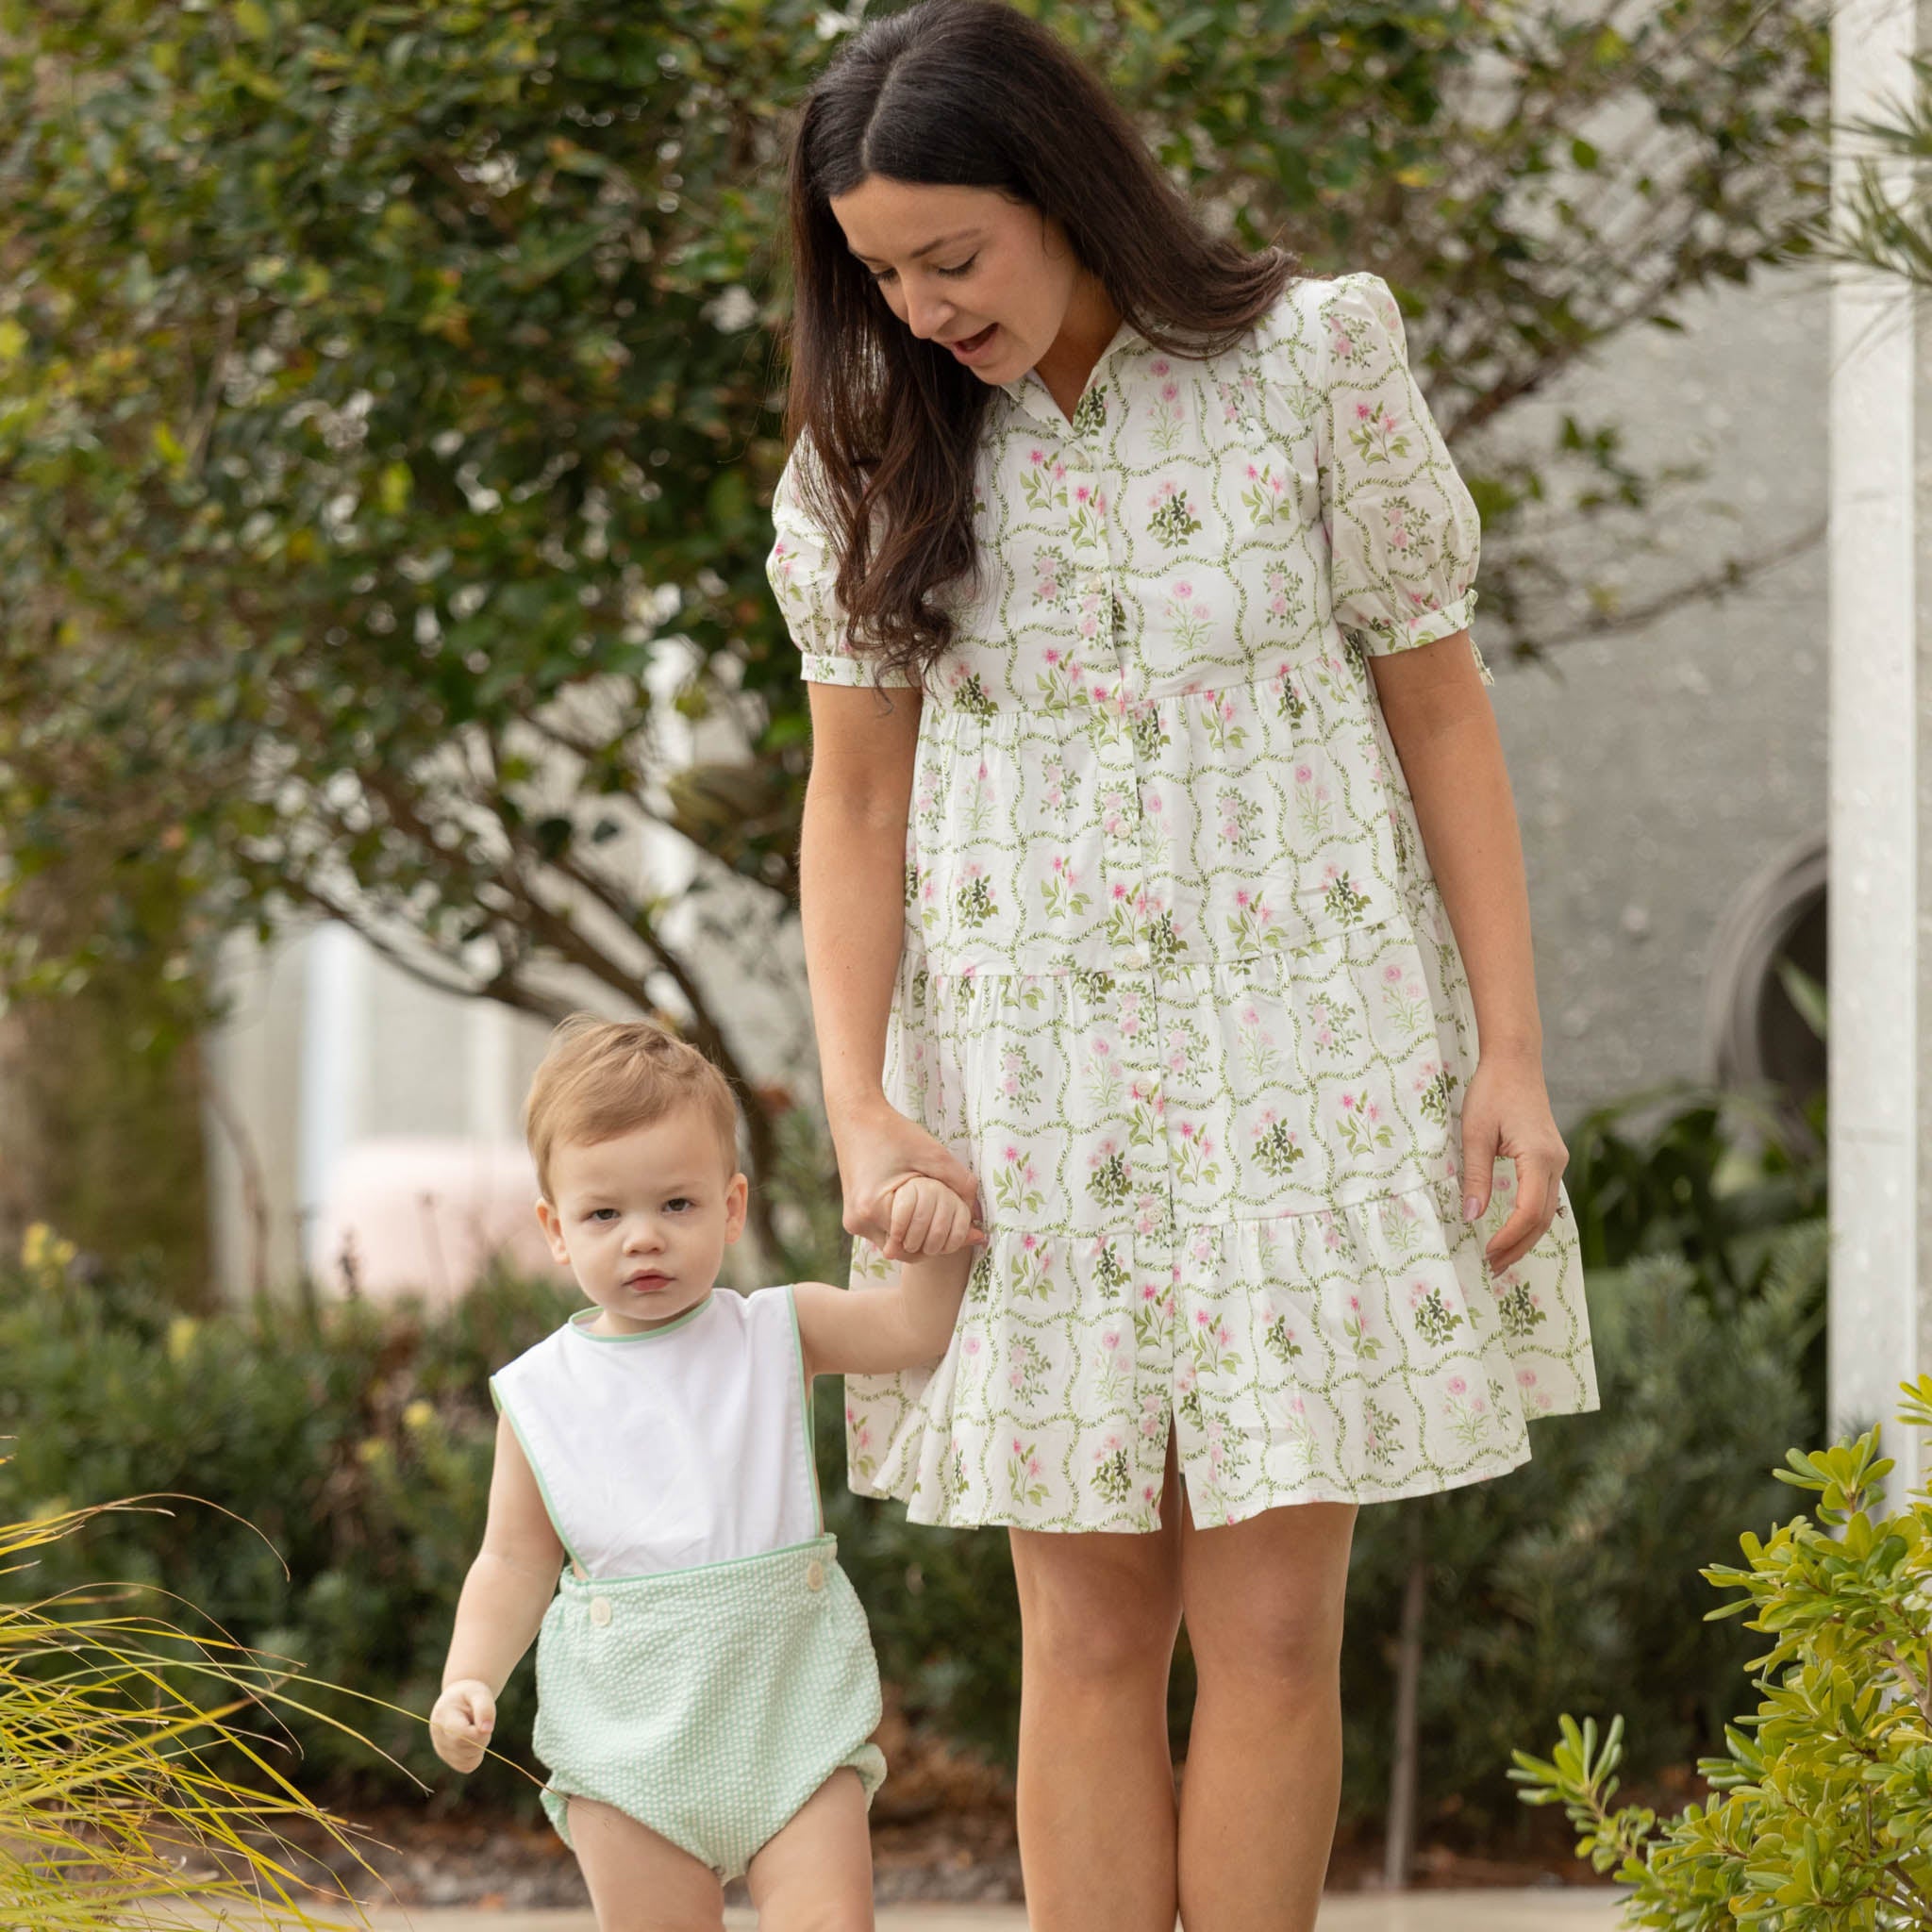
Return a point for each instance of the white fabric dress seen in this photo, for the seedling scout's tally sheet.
(1178, 984)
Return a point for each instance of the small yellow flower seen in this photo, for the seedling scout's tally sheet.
(181, 1333)
(45, 1254)
(371, 1449)
(419, 1415)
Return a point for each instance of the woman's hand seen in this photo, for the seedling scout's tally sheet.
(880, 1152)
(461, 1721)
(1506, 1110)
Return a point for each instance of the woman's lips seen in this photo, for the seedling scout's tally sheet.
(971, 348)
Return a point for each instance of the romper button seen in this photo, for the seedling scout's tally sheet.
(600, 1609)
(814, 1575)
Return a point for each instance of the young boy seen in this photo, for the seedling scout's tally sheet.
(705, 1683)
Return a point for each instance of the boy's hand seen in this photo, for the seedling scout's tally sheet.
(460, 1724)
(926, 1217)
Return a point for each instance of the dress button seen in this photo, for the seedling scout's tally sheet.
(814, 1575)
(600, 1609)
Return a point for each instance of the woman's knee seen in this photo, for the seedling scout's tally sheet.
(1088, 1613)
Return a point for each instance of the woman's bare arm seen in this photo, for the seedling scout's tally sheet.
(852, 880)
(1439, 716)
(1444, 732)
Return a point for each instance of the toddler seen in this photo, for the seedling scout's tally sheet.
(706, 1685)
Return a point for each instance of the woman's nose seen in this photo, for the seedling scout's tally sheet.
(927, 315)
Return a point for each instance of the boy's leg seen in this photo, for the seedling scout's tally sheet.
(638, 1881)
(815, 1875)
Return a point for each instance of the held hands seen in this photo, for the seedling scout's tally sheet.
(1506, 1112)
(905, 1193)
(460, 1724)
(927, 1218)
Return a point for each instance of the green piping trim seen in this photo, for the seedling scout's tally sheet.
(595, 1583)
(503, 1408)
(670, 1327)
(805, 1411)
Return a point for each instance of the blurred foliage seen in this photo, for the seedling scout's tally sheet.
(1819, 1812)
(387, 413)
(359, 1441)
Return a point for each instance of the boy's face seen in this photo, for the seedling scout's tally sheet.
(642, 1220)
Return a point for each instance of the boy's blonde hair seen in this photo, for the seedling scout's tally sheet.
(603, 1077)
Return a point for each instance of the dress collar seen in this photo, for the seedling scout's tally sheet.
(1032, 397)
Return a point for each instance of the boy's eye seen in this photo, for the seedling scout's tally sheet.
(603, 1213)
(680, 1201)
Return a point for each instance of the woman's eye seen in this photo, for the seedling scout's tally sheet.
(964, 268)
(880, 275)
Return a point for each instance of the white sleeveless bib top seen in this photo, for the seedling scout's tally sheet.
(678, 1447)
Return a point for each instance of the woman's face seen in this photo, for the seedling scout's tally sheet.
(989, 279)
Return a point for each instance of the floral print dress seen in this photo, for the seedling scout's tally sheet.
(1178, 984)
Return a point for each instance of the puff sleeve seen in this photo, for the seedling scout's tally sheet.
(1404, 532)
(802, 573)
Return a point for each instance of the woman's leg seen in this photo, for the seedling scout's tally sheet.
(816, 1875)
(1098, 1615)
(1263, 1602)
(638, 1881)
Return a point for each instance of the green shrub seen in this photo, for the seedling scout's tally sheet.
(1820, 1813)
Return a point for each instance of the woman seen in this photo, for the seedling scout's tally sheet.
(1160, 879)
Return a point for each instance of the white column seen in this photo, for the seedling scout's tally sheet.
(1878, 1095)
(333, 1102)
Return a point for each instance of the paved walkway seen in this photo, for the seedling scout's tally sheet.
(1558, 1909)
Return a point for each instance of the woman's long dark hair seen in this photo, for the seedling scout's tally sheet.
(965, 93)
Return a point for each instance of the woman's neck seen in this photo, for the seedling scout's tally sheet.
(1091, 322)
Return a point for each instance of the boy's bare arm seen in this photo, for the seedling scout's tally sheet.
(503, 1597)
(874, 1331)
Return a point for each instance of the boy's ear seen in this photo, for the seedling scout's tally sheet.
(553, 1231)
(737, 1202)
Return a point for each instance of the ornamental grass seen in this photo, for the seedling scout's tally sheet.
(138, 1781)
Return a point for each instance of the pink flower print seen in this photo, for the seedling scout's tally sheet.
(1036, 457)
(1525, 1378)
(1149, 1292)
(1169, 391)
(1457, 1386)
(1254, 475)
(1347, 1103)
(1012, 1154)
(1478, 1406)
(1388, 420)
(1120, 891)
(1240, 898)
(1250, 1017)
(1053, 656)
(1202, 1318)
(1392, 974)
(1303, 774)
(1110, 1340)
(1030, 1242)
(1100, 504)
(1363, 412)
(1081, 493)
(1160, 368)
(973, 1344)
